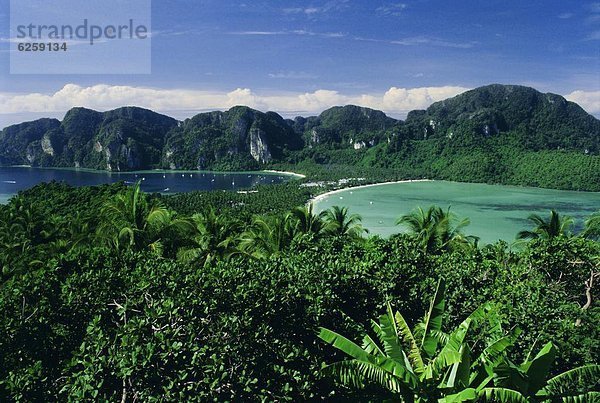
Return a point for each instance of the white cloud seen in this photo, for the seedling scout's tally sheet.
(300, 32)
(259, 33)
(565, 16)
(409, 41)
(588, 100)
(395, 9)
(420, 40)
(300, 10)
(293, 75)
(395, 101)
(594, 36)
(594, 7)
(434, 42)
(333, 5)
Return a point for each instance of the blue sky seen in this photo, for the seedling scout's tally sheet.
(300, 57)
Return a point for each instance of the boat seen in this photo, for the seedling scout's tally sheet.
(13, 182)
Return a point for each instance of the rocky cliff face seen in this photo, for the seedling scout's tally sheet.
(240, 138)
(259, 149)
(47, 145)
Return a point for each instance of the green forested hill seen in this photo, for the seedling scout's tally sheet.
(539, 121)
(123, 139)
(497, 133)
(241, 138)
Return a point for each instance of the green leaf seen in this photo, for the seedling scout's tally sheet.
(389, 335)
(434, 320)
(462, 396)
(538, 369)
(560, 384)
(501, 394)
(343, 344)
(583, 398)
(493, 353)
(460, 371)
(414, 355)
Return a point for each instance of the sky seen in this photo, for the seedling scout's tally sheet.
(301, 57)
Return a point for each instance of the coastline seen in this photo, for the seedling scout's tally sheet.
(284, 173)
(324, 196)
(161, 171)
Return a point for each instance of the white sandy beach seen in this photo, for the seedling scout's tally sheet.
(285, 172)
(326, 195)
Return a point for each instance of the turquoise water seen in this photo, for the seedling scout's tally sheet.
(14, 179)
(496, 212)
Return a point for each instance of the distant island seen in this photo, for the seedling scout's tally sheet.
(504, 134)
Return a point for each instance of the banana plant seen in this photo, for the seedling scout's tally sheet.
(420, 366)
(528, 382)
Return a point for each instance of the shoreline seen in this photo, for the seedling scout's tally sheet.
(284, 173)
(324, 196)
(157, 171)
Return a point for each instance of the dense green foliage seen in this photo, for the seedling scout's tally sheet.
(263, 199)
(108, 293)
(495, 134)
(467, 364)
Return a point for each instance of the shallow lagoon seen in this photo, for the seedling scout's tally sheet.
(14, 179)
(496, 212)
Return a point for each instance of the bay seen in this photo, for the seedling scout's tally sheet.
(496, 212)
(15, 179)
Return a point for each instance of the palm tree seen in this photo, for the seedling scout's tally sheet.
(554, 227)
(215, 237)
(130, 221)
(307, 221)
(592, 226)
(268, 236)
(78, 230)
(436, 229)
(339, 222)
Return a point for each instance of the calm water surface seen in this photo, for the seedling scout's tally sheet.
(14, 179)
(496, 212)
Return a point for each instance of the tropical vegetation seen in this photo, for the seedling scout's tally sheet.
(109, 293)
(427, 364)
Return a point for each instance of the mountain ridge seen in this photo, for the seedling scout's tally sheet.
(130, 138)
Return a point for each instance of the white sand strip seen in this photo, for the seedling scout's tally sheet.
(284, 172)
(326, 195)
